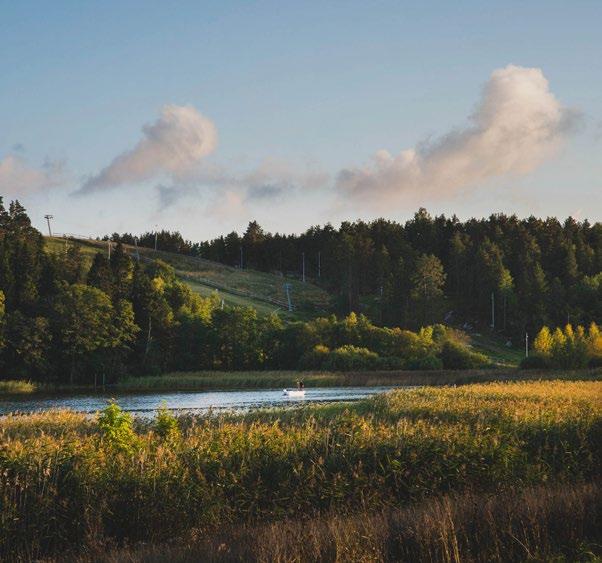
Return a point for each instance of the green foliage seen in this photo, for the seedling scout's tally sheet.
(116, 429)
(535, 362)
(568, 348)
(349, 358)
(166, 424)
(455, 356)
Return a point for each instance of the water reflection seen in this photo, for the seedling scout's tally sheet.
(145, 404)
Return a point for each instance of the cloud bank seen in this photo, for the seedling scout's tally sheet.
(517, 125)
(18, 178)
(173, 145)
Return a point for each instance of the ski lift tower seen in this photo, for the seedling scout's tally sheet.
(287, 288)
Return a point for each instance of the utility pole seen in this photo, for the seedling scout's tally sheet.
(492, 310)
(526, 344)
(48, 217)
(319, 265)
(303, 267)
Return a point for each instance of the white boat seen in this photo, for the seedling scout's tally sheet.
(293, 392)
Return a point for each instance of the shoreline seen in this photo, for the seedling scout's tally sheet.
(231, 381)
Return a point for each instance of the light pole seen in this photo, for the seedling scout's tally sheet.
(48, 217)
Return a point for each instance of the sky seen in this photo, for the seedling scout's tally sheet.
(202, 116)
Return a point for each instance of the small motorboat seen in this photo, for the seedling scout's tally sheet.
(298, 393)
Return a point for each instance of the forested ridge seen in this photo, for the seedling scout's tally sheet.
(62, 320)
(539, 271)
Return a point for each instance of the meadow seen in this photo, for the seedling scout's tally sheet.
(389, 467)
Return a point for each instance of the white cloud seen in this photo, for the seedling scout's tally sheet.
(173, 145)
(272, 179)
(18, 178)
(517, 125)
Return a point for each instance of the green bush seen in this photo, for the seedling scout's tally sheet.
(350, 358)
(457, 356)
(166, 424)
(430, 362)
(535, 361)
(116, 428)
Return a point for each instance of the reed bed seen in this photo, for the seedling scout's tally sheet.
(67, 481)
(544, 523)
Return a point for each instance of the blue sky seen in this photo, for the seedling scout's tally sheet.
(298, 93)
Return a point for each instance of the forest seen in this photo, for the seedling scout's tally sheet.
(62, 320)
(515, 274)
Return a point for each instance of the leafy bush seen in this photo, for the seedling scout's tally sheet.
(430, 362)
(457, 356)
(116, 429)
(351, 358)
(315, 358)
(166, 424)
(535, 361)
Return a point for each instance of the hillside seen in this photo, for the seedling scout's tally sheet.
(262, 291)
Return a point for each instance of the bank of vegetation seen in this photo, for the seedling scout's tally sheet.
(68, 482)
(66, 319)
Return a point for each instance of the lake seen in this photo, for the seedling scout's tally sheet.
(145, 404)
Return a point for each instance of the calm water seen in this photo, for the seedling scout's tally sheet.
(144, 404)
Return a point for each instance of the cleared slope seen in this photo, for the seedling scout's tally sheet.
(265, 292)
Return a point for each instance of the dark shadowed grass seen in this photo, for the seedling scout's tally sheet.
(546, 523)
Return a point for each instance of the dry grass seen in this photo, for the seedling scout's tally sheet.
(537, 524)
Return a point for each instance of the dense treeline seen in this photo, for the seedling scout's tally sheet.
(538, 271)
(60, 319)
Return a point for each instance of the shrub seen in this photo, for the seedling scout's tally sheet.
(116, 428)
(535, 361)
(430, 362)
(457, 356)
(166, 424)
(315, 358)
(351, 358)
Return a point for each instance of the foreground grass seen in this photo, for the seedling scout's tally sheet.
(545, 523)
(64, 484)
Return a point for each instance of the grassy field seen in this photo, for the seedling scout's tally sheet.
(73, 483)
(260, 290)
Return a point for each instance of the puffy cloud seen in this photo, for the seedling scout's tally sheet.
(18, 179)
(173, 145)
(517, 125)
